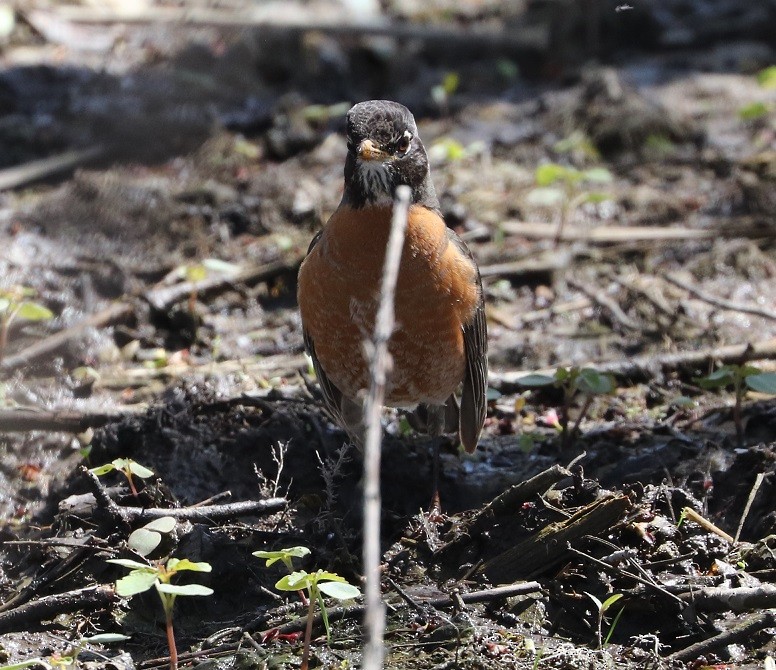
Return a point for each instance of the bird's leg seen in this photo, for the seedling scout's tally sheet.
(435, 423)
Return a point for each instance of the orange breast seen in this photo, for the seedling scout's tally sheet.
(436, 294)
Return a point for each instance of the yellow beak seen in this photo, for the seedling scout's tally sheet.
(368, 151)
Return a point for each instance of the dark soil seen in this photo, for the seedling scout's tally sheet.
(206, 155)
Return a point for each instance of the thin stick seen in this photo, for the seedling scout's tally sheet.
(374, 617)
(64, 420)
(628, 234)
(752, 494)
(691, 515)
(722, 303)
(21, 175)
(118, 311)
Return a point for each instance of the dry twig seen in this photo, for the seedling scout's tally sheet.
(116, 312)
(722, 303)
(374, 618)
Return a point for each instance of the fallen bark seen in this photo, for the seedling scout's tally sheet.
(66, 421)
(547, 548)
(741, 633)
(47, 607)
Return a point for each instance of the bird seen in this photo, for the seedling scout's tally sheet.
(439, 342)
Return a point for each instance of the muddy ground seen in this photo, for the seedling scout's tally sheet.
(163, 170)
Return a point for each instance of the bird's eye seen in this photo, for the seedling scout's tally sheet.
(403, 145)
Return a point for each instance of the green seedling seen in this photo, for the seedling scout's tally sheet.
(561, 186)
(127, 467)
(756, 110)
(602, 609)
(147, 538)
(587, 381)
(143, 577)
(66, 661)
(444, 90)
(740, 377)
(317, 584)
(16, 303)
(286, 556)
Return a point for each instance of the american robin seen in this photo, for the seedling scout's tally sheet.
(440, 338)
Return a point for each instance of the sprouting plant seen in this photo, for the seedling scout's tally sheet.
(286, 556)
(758, 109)
(66, 661)
(561, 186)
(142, 577)
(740, 377)
(444, 90)
(602, 609)
(587, 381)
(127, 467)
(16, 303)
(145, 539)
(317, 584)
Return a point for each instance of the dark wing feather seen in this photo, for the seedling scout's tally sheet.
(474, 403)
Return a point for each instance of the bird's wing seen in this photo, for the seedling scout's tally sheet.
(474, 403)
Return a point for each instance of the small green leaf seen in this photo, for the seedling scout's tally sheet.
(610, 601)
(683, 402)
(507, 69)
(767, 77)
(595, 197)
(106, 638)
(599, 175)
(282, 554)
(176, 564)
(33, 311)
(102, 469)
(129, 563)
(164, 524)
(545, 197)
(724, 376)
(764, 382)
(144, 541)
(323, 575)
(221, 267)
(491, 395)
(339, 590)
(597, 602)
(136, 582)
(295, 581)
(140, 470)
(536, 380)
(592, 381)
(549, 173)
(753, 111)
(184, 589)
(450, 82)
(195, 273)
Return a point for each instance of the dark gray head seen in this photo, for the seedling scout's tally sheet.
(384, 151)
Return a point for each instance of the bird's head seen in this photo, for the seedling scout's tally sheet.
(384, 151)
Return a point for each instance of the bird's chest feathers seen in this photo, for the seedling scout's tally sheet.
(433, 275)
